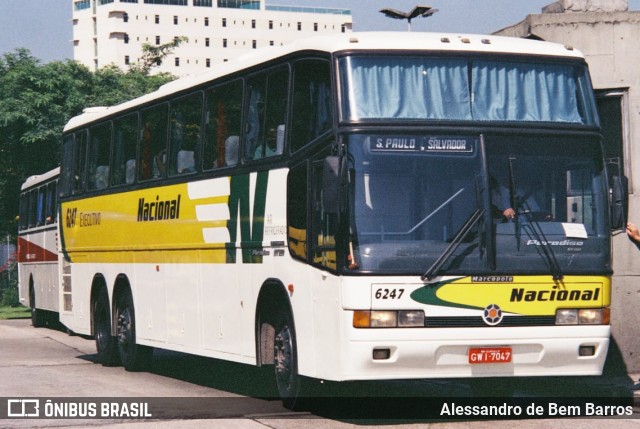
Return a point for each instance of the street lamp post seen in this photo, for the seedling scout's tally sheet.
(418, 11)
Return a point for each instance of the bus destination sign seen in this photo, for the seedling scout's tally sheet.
(424, 144)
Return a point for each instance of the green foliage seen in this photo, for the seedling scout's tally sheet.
(36, 101)
(154, 55)
(9, 286)
(10, 297)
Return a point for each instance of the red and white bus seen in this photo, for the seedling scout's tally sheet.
(37, 246)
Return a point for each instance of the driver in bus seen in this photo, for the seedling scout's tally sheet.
(525, 201)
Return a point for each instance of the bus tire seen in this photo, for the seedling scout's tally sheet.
(105, 342)
(286, 361)
(38, 319)
(133, 356)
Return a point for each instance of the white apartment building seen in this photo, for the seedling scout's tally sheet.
(114, 31)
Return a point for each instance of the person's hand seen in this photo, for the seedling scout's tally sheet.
(633, 232)
(509, 213)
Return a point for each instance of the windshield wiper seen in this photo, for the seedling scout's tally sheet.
(534, 229)
(533, 226)
(512, 200)
(451, 248)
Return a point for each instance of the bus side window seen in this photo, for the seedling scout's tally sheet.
(50, 205)
(24, 210)
(124, 150)
(312, 106)
(153, 142)
(79, 162)
(186, 118)
(40, 217)
(324, 224)
(265, 128)
(99, 154)
(66, 169)
(31, 208)
(297, 210)
(222, 125)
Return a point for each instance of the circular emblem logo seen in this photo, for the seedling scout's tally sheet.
(492, 315)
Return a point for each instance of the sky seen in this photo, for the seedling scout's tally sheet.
(44, 26)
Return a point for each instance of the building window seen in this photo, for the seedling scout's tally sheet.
(206, 42)
(344, 28)
(224, 43)
(240, 4)
(271, 43)
(206, 21)
(254, 44)
(224, 22)
(299, 26)
(125, 17)
(315, 26)
(126, 38)
(175, 20)
(169, 2)
(253, 23)
(82, 4)
(206, 3)
(177, 61)
(157, 19)
(126, 60)
(157, 40)
(208, 62)
(270, 25)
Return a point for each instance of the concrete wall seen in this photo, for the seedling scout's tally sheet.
(609, 41)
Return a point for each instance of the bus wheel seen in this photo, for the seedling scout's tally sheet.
(105, 342)
(37, 316)
(286, 363)
(134, 357)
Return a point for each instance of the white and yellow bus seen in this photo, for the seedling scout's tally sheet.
(38, 286)
(356, 207)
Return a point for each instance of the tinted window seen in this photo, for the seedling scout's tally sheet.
(266, 114)
(153, 142)
(99, 154)
(312, 108)
(186, 119)
(125, 137)
(222, 125)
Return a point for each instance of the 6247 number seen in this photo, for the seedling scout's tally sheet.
(389, 293)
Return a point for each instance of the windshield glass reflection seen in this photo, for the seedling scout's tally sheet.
(410, 196)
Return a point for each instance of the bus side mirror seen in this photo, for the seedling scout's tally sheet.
(331, 184)
(619, 194)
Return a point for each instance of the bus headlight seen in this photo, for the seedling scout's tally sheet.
(582, 316)
(411, 318)
(384, 319)
(388, 318)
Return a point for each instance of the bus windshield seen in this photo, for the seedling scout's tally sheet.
(548, 198)
(463, 89)
(410, 195)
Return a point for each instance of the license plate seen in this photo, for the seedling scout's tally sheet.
(490, 355)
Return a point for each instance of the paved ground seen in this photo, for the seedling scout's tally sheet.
(48, 364)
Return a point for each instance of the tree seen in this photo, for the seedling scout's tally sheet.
(154, 55)
(37, 100)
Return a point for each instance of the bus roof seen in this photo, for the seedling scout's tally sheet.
(36, 179)
(385, 41)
